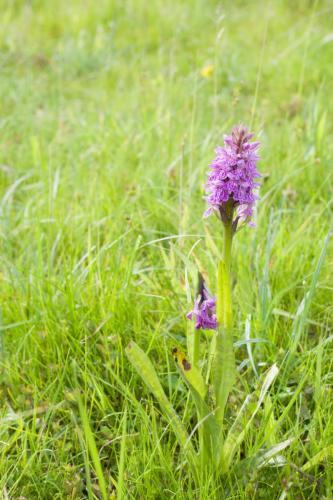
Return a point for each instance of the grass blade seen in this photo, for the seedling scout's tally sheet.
(303, 309)
(244, 419)
(319, 457)
(121, 467)
(92, 447)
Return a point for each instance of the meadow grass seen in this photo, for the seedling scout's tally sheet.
(107, 124)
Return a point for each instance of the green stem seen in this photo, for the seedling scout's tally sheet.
(227, 319)
(196, 347)
(224, 369)
(227, 243)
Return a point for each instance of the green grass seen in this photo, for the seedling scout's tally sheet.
(106, 130)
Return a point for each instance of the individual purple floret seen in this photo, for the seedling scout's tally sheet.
(204, 309)
(231, 180)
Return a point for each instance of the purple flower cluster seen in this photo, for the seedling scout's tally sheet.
(232, 176)
(204, 309)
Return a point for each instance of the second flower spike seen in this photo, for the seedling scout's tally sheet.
(204, 310)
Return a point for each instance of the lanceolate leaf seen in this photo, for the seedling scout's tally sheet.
(209, 431)
(223, 370)
(190, 372)
(145, 369)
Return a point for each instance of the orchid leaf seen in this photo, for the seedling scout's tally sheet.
(190, 372)
(209, 430)
(223, 369)
(146, 370)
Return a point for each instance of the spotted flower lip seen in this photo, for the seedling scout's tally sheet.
(232, 176)
(204, 310)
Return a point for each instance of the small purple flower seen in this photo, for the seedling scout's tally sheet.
(204, 309)
(231, 180)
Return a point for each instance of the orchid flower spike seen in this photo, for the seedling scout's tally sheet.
(231, 186)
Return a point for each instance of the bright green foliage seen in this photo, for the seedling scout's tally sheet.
(143, 366)
(108, 123)
(223, 373)
(191, 373)
(242, 423)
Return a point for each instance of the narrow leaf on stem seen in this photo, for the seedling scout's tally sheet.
(224, 370)
(146, 370)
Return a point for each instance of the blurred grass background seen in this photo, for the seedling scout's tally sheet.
(109, 115)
